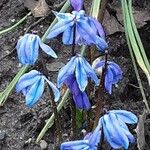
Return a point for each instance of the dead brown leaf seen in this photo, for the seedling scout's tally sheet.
(140, 131)
(111, 24)
(38, 8)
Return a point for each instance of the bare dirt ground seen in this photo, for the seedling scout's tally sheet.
(17, 122)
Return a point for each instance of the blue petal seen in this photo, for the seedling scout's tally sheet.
(98, 27)
(54, 89)
(68, 36)
(82, 101)
(100, 64)
(60, 27)
(113, 132)
(27, 79)
(89, 70)
(75, 145)
(81, 75)
(117, 72)
(32, 49)
(125, 116)
(101, 44)
(72, 85)
(63, 16)
(48, 50)
(94, 139)
(66, 71)
(126, 131)
(21, 49)
(35, 92)
(108, 80)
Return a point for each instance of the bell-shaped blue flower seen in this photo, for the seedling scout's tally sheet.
(84, 33)
(113, 74)
(81, 69)
(77, 4)
(115, 129)
(32, 86)
(80, 98)
(28, 49)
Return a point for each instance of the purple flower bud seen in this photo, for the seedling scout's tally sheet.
(77, 4)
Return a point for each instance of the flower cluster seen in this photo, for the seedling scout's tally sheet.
(77, 28)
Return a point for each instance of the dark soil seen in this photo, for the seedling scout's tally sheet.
(18, 123)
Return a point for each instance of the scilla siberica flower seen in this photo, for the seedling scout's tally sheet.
(115, 130)
(32, 86)
(75, 75)
(113, 74)
(28, 49)
(86, 29)
(79, 67)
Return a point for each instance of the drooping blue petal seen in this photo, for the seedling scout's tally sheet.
(54, 89)
(60, 27)
(48, 50)
(82, 101)
(75, 145)
(126, 131)
(89, 70)
(32, 48)
(125, 116)
(27, 79)
(68, 36)
(21, 49)
(113, 133)
(72, 85)
(88, 34)
(81, 76)
(97, 27)
(95, 137)
(35, 92)
(101, 44)
(100, 64)
(77, 4)
(66, 71)
(108, 80)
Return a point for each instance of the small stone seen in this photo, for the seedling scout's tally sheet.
(2, 135)
(43, 144)
(13, 20)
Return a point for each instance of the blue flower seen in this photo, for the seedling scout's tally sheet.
(113, 74)
(28, 49)
(85, 34)
(77, 4)
(115, 129)
(32, 86)
(79, 67)
(80, 98)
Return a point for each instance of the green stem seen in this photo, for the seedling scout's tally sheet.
(15, 25)
(124, 4)
(139, 42)
(50, 121)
